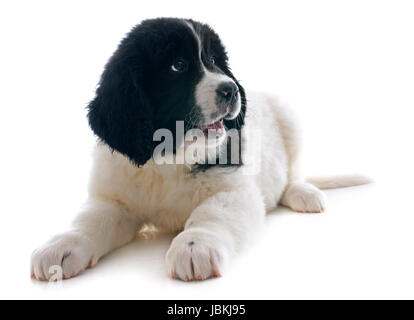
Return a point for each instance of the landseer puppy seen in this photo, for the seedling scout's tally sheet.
(168, 72)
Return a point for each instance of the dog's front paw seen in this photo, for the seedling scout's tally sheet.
(65, 256)
(195, 255)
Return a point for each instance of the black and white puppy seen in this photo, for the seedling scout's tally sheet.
(168, 72)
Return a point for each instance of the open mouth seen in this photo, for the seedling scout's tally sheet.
(208, 135)
(215, 127)
(215, 132)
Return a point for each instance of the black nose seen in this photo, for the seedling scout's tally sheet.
(227, 91)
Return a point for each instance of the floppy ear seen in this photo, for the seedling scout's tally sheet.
(120, 114)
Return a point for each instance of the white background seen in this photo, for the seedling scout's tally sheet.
(347, 67)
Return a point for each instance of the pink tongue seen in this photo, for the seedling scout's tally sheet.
(214, 126)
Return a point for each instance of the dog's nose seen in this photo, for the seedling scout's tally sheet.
(228, 91)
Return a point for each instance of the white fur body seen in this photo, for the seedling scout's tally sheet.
(166, 195)
(215, 211)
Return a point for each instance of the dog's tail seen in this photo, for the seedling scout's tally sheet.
(339, 181)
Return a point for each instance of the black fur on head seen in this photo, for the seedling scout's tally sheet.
(138, 93)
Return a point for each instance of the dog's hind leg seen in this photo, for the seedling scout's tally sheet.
(298, 195)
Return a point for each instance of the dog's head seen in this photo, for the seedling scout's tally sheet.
(165, 70)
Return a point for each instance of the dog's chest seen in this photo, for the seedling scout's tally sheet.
(167, 197)
(162, 195)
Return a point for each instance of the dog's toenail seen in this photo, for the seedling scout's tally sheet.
(191, 243)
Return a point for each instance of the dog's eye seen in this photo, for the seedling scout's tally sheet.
(179, 66)
(213, 60)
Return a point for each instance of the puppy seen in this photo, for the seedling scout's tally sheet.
(171, 78)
